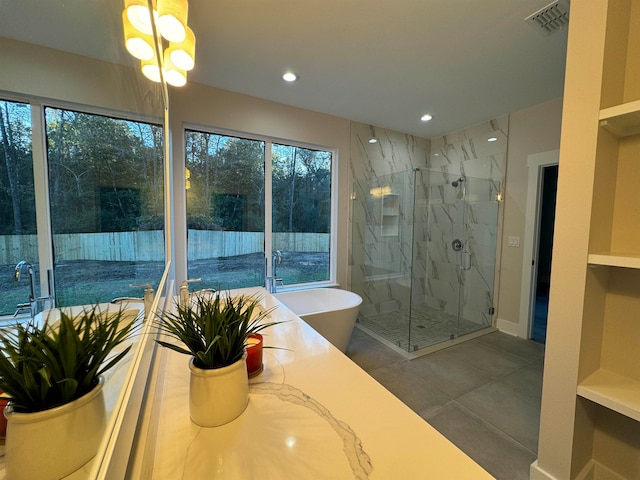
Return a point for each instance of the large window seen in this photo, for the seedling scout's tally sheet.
(100, 206)
(106, 201)
(244, 224)
(301, 184)
(225, 210)
(18, 239)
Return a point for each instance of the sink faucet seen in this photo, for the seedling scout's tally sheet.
(184, 291)
(148, 296)
(273, 281)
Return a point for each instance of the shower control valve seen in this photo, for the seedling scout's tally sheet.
(457, 245)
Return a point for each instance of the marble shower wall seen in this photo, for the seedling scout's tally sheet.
(384, 265)
(382, 197)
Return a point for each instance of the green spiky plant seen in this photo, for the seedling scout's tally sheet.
(48, 366)
(214, 331)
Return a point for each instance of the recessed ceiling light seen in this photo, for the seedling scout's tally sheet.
(426, 117)
(289, 77)
(492, 139)
(373, 140)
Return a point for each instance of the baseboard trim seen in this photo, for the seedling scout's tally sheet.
(506, 326)
(536, 473)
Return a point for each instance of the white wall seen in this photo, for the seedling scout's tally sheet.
(54, 75)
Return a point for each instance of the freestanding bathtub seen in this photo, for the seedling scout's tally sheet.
(330, 311)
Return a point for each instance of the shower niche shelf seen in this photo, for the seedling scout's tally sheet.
(390, 221)
(622, 120)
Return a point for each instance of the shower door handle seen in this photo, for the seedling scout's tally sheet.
(465, 260)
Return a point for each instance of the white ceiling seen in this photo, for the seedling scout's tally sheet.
(380, 62)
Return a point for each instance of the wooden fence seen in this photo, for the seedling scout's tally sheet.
(149, 245)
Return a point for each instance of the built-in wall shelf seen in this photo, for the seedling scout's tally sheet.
(614, 259)
(622, 120)
(390, 215)
(589, 429)
(616, 392)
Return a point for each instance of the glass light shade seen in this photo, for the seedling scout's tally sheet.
(151, 70)
(139, 16)
(174, 76)
(137, 43)
(172, 19)
(183, 54)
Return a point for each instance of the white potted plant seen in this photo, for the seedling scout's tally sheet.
(52, 377)
(213, 331)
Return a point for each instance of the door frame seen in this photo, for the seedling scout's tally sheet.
(535, 164)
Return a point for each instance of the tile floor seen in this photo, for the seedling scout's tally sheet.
(483, 394)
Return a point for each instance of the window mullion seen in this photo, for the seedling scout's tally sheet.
(41, 187)
(268, 216)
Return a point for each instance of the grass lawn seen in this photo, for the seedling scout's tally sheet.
(90, 282)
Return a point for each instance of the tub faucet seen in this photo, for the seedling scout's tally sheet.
(34, 305)
(16, 277)
(273, 281)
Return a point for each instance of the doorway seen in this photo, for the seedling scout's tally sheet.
(545, 251)
(538, 245)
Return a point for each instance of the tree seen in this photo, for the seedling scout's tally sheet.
(105, 174)
(16, 171)
(302, 177)
(227, 182)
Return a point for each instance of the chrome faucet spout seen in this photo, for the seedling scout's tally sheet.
(184, 296)
(18, 271)
(273, 281)
(21, 264)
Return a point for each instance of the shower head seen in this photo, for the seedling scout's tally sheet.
(458, 181)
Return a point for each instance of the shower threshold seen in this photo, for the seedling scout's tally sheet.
(420, 351)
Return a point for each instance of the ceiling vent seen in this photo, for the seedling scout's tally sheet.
(551, 18)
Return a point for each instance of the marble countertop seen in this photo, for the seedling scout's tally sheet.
(312, 414)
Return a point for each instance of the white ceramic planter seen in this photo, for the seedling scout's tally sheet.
(219, 395)
(54, 443)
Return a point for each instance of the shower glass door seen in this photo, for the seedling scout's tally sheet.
(455, 231)
(439, 242)
(424, 247)
(478, 213)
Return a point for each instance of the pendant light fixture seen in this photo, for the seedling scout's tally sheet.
(172, 74)
(137, 43)
(175, 38)
(172, 19)
(138, 14)
(183, 54)
(151, 70)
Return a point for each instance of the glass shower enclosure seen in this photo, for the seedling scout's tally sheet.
(424, 254)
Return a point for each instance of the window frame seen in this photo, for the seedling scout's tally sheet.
(44, 231)
(268, 211)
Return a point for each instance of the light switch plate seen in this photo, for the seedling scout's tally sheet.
(513, 241)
